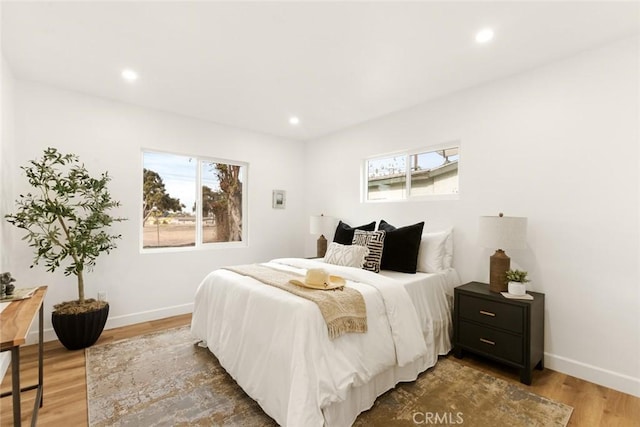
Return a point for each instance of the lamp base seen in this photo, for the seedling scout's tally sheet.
(498, 266)
(321, 247)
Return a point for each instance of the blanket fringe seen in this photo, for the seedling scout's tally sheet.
(341, 326)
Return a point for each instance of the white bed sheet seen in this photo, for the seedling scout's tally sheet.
(435, 313)
(275, 344)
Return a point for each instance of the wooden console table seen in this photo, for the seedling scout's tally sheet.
(15, 322)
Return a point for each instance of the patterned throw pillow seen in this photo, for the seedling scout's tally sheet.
(374, 240)
(347, 255)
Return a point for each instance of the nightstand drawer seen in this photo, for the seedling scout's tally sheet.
(492, 313)
(491, 341)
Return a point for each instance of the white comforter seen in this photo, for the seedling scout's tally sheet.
(275, 344)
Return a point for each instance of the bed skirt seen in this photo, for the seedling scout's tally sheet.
(360, 399)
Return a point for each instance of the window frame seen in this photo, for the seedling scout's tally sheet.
(364, 175)
(199, 245)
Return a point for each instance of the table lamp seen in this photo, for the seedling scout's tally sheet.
(320, 224)
(501, 232)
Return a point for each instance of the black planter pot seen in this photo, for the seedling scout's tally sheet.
(76, 331)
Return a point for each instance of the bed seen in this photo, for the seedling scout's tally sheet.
(276, 347)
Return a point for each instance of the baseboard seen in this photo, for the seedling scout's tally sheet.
(125, 320)
(615, 380)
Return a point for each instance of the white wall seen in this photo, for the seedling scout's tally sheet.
(7, 142)
(109, 136)
(7, 169)
(559, 145)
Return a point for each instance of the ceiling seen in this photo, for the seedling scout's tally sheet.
(332, 64)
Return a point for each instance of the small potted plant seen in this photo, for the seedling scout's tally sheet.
(66, 220)
(517, 280)
(6, 281)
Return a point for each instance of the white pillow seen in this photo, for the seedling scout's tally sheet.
(347, 255)
(447, 261)
(432, 255)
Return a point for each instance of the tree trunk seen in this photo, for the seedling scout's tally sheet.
(80, 287)
(235, 217)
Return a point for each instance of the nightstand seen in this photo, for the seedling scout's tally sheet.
(509, 331)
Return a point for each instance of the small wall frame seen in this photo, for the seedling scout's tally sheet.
(279, 199)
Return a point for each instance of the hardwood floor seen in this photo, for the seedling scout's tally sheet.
(65, 395)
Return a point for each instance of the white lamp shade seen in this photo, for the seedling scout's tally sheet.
(320, 224)
(502, 232)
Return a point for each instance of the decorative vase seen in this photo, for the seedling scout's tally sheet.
(77, 331)
(517, 288)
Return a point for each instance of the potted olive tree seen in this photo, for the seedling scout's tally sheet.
(66, 220)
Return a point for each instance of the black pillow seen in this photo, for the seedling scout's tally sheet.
(401, 246)
(344, 232)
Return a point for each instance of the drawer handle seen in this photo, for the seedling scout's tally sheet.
(487, 341)
(487, 313)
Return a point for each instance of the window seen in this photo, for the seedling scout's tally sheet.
(192, 202)
(387, 178)
(414, 174)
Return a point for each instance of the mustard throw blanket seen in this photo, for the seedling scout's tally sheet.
(343, 310)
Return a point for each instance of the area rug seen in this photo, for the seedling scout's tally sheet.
(163, 379)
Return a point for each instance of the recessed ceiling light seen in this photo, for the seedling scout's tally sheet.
(484, 36)
(294, 120)
(129, 75)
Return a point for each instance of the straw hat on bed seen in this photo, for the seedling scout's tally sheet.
(317, 278)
